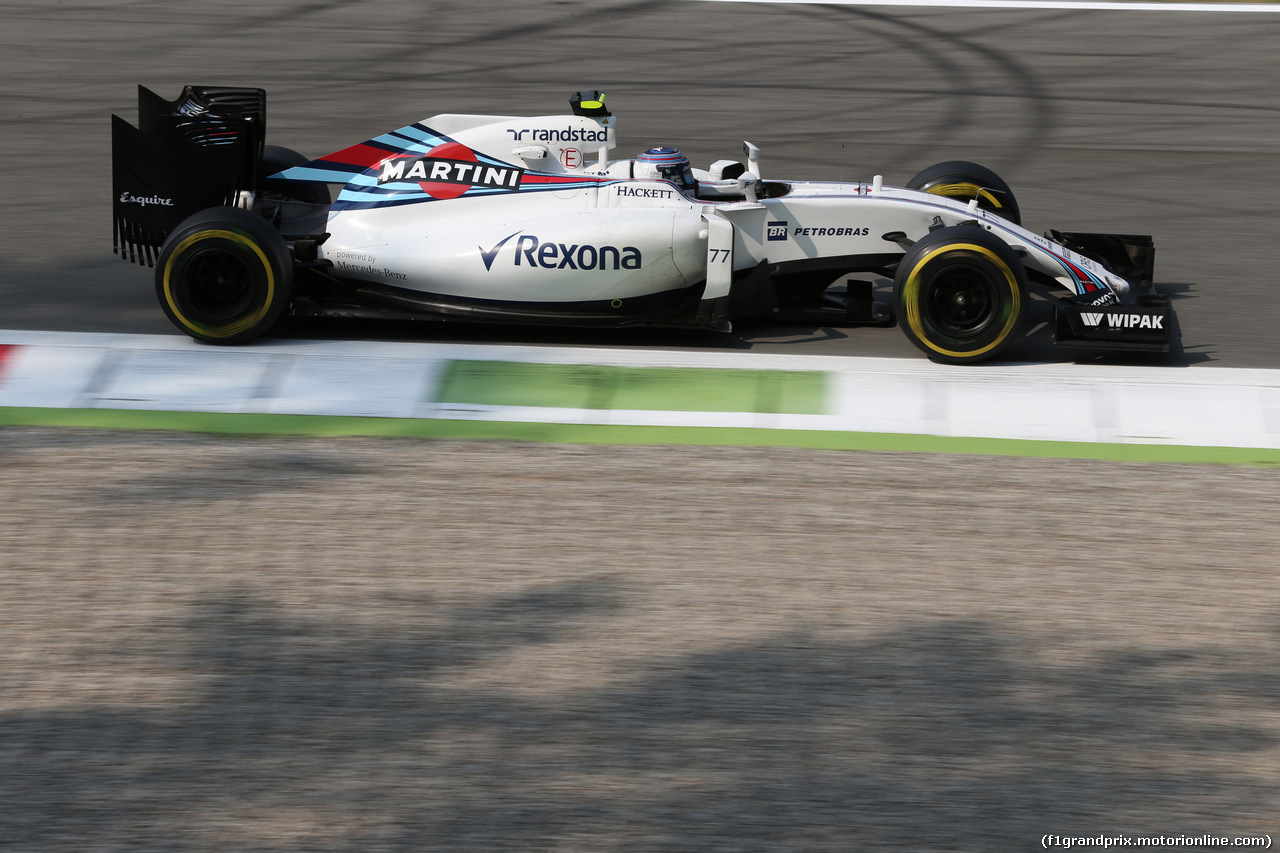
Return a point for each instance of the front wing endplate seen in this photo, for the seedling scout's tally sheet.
(1123, 327)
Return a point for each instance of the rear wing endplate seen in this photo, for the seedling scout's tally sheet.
(185, 155)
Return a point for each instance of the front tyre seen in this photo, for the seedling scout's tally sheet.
(224, 276)
(960, 294)
(960, 179)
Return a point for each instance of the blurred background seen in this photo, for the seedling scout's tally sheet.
(305, 644)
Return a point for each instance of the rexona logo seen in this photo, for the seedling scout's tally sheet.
(448, 171)
(531, 251)
(1123, 321)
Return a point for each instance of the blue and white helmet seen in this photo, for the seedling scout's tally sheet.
(665, 164)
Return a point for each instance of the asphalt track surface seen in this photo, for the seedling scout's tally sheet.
(1100, 120)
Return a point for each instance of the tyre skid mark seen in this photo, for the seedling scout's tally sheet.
(1089, 5)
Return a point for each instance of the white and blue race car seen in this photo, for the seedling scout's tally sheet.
(528, 220)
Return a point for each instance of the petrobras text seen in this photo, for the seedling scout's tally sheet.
(832, 232)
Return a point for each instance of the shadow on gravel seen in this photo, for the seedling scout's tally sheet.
(318, 735)
(206, 481)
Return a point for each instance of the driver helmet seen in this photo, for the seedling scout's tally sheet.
(666, 164)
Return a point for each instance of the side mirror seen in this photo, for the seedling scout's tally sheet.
(747, 186)
(531, 152)
(753, 157)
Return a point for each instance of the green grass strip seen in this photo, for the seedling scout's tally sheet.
(661, 389)
(320, 425)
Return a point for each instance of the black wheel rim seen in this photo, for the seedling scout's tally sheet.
(961, 300)
(218, 284)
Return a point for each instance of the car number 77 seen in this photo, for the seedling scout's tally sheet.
(719, 256)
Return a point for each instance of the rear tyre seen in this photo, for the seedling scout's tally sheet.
(224, 276)
(277, 158)
(960, 294)
(966, 181)
(293, 207)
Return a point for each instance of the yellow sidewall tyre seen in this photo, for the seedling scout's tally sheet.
(960, 295)
(965, 181)
(224, 276)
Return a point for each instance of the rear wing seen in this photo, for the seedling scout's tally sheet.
(185, 155)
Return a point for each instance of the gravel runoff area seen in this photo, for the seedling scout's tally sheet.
(379, 644)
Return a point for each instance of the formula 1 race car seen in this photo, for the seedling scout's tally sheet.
(527, 220)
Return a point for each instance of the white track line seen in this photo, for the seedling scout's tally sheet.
(1170, 6)
(1218, 407)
